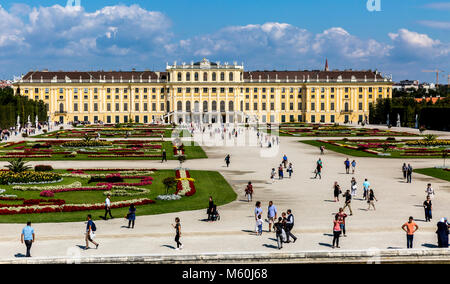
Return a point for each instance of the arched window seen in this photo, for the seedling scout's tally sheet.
(214, 76)
(196, 76)
(188, 76)
(179, 76)
(205, 106)
(222, 106)
(188, 106)
(61, 107)
(214, 106)
(222, 76)
(179, 106)
(230, 76)
(230, 106)
(205, 76)
(196, 106)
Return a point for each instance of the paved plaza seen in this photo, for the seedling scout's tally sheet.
(311, 201)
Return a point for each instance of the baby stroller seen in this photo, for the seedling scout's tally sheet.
(214, 215)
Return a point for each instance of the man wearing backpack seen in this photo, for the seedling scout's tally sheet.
(90, 232)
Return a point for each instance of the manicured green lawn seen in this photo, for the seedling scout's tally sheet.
(192, 152)
(359, 153)
(342, 150)
(206, 183)
(434, 172)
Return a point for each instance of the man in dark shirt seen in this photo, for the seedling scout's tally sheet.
(289, 226)
(279, 232)
(348, 201)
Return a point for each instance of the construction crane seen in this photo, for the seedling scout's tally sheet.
(437, 75)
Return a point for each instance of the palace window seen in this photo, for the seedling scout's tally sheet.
(230, 90)
(136, 106)
(196, 76)
(205, 76)
(222, 90)
(95, 107)
(230, 76)
(188, 76)
(179, 76)
(222, 76)
(255, 106)
(86, 107)
(125, 106)
(214, 76)
(117, 107)
(145, 107)
(108, 107)
(86, 90)
(75, 107)
(75, 90)
(313, 106)
(331, 106)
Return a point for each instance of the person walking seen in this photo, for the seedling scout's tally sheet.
(90, 232)
(279, 230)
(177, 228)
(442, 233)
(131, 216)
(280, 172)
(347, 166)
(27, 237)
(353, 186)
(272, 175)
(164, 156)
(336, 191)
(410, 228)
(342, 216)
(108, 206)
(259, 224)
(285, 161)
(290, 170)
(336, 231)
(249, 191)
(210, 210)
(258, 214)
(322, 148)
(370, 199)
(427, 205)
(348, 201)
(429, 191)
(289, 226)
(227, 160)
(409, 174)
(319, 166)
(271, 214)
(366, 187)
(404, 170)
(353, 166)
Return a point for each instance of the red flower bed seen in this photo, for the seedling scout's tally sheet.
(32, 202)
(112, 170)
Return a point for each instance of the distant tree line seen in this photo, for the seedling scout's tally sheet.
(11, 106)
(431, 116)
(442, 91)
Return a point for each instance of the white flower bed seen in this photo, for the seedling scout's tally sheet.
(42, 182)
(40, 188)
(168, 197)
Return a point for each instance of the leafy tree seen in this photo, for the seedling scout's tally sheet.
(169, 183)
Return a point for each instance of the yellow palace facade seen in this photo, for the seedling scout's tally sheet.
(206, 92)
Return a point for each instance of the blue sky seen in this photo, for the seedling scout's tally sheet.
(404, 38)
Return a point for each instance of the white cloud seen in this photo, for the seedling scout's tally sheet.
(436, 24)
(438, 6)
